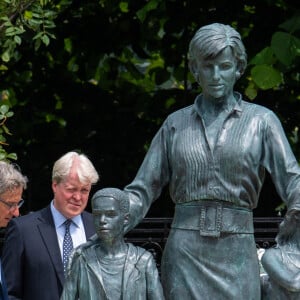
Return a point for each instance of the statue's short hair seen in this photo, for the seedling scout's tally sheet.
(117, 194)
(211, 39)
(11, 177)
(84, 168)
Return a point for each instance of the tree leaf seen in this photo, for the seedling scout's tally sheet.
(12, 156)
(265, 56)
(285, 46)
(124, 7)
(292, 24)
(45, 39)
(266, 77)
(251, 91)
(142, 13)
(5, 56)
(68, 45)
(4, 109)
(17, 39)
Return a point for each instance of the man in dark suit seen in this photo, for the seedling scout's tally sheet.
(35, 250)
(12, 184)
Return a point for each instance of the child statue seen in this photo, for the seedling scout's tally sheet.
(282, 263)
(106, 267)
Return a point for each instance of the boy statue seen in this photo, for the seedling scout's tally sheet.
(282, 262)
(106, 267)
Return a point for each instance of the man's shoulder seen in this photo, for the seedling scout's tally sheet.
(31, 216)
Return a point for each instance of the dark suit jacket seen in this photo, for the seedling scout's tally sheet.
(3, 290)
(31, 257)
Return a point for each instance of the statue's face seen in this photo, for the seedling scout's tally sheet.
(109, 220)
(218, 75)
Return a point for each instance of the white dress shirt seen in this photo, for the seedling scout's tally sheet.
(76, 228)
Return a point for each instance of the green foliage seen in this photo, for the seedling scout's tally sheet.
(144, 11)
(18, 17)
(5, 114)
(276, 65)
(286, 47)
(101, 76)
(22, 21)
(266, 77)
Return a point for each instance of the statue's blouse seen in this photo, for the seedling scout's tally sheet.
(250, 141)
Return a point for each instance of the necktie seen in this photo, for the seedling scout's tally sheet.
(67, 244)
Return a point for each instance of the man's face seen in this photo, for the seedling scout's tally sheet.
(109, 220)
(11, 198)
(71, 196)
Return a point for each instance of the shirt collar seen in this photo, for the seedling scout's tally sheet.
(59, 218)
(237, 107)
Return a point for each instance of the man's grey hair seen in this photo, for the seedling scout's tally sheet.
(84, 168)
(11, 177)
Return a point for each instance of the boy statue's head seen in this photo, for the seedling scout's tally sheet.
(110, 208)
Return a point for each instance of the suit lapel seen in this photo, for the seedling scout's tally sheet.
(48, 233)
(47, 230)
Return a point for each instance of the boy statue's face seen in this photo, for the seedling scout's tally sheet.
(109, 220)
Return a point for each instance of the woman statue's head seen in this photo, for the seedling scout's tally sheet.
(210, 40)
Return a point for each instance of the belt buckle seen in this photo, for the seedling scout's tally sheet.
(211, 219)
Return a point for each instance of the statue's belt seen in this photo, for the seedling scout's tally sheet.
(212, 218)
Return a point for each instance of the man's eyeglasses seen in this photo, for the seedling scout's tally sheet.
(13, 206)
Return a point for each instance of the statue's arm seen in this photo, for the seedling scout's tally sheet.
(279, 272)
(154, 288)
(151, 177)
(280, 162)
